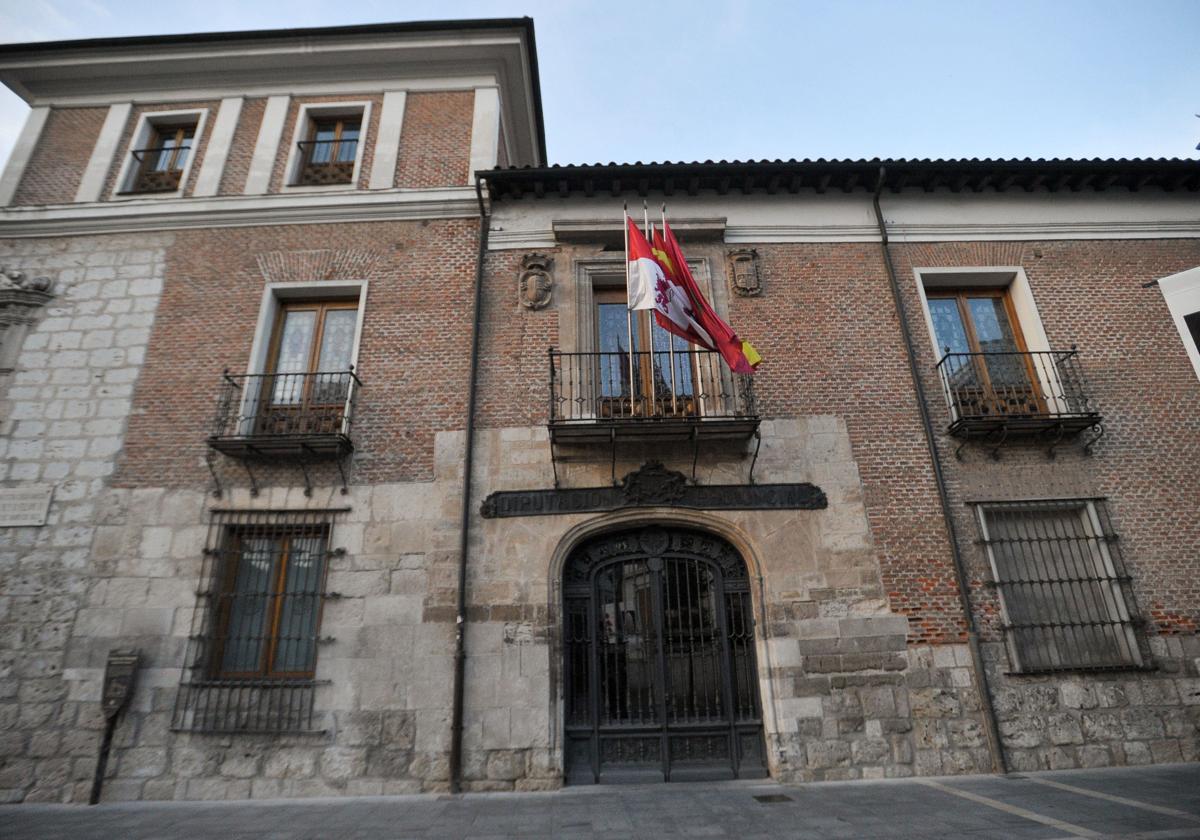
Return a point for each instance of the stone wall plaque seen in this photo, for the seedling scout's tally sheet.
(654, 485)
(21, 506)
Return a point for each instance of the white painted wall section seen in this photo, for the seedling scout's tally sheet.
(1182, 293)
(485, 130)
(21, 153)
(258, 180)
(92, 183)
(387, 143)
(217, 150)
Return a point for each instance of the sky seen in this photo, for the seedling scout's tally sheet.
(750, 79)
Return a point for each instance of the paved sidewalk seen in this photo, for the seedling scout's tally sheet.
(1146, 803)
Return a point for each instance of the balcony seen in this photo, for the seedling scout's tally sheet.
(658, 396)
(285, 416)
(326, 162)
(996, 396)
(160, 169)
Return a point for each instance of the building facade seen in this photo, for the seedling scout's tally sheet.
(321, 396)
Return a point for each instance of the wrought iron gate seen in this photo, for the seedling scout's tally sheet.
(659, 660)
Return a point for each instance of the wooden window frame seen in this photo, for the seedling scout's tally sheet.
(316, 123)
(686, 405)
(277, 592)
(959, 296)
(159, 134)
(322, 307)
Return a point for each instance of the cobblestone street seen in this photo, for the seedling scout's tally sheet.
(1152, 802)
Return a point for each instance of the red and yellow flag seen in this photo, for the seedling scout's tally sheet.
(686, 313)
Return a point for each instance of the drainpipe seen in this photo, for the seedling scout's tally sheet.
(460, 618)
(995, 745)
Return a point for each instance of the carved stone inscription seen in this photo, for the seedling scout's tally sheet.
(21, 506)
(651, 486)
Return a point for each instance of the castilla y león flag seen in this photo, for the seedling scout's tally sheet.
(681, 308)
(645, 273)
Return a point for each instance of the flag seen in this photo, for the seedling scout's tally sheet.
(739, 355)
(645, 274)
(674, 309)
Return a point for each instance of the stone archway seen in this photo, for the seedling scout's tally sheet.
(659, 672)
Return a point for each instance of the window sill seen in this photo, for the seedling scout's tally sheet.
(301, 188)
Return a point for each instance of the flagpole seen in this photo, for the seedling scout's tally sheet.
(670, 338)
(650, 315)
(628, 309)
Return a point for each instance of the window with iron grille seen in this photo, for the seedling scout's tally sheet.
(1064, 592)
(253, 651)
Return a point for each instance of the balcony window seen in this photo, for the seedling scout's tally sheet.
(330, 154)
(635, 380)
(160, 153)
(993, 383)
(302, 403)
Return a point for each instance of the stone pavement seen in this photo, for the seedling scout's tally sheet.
(1145, 803)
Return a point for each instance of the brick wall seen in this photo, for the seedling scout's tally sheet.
(413, 357)
(514, 366)
(435, 144)
(241, 151)
(1090, 294)
(56, 167)
(828, 330)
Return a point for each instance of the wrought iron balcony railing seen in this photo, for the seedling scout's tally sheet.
(1042, 392)
(300, 415)
(159, 168)
(324, 162)
(685, 393)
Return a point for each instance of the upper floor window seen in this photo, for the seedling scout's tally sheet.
(327, 146)
(984, 349)
(161, 153)
(328, 156)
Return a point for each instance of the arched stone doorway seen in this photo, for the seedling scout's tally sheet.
(659, 672)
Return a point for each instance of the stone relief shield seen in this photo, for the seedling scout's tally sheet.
(536, 282)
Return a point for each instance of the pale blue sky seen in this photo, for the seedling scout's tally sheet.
(625, 81)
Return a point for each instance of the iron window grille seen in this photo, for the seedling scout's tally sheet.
(252, 655)
(1065, 596)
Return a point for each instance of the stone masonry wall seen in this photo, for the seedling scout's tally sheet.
(843, 694)
(65, 410)
(384, 672)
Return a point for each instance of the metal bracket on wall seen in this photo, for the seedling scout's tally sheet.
(754, 460)
(1094, 439)
(209, 457)
(612, 436)
(695, 451)
(253, 480)
(307, 478)
(1053, 444)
